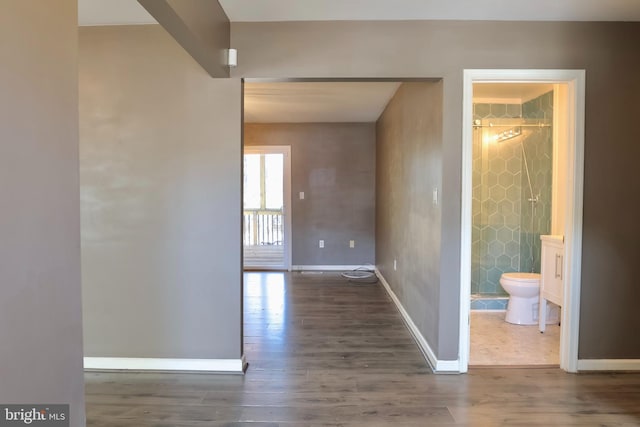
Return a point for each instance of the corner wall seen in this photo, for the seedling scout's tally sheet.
(408, 169)
(201, 27)
(160, 162)
(539, 148)
(443, 49)
(334, 165)
(40, 303)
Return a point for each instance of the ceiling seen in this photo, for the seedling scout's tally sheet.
(365, 101)
(353, 102)
(111, 12)
(320, 102)
(509, 93)
(385, 10)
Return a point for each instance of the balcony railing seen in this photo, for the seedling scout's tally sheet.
(263, 228)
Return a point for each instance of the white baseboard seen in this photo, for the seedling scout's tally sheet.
(438, 366)
(328, 267)
(609, 365)
(223, 366)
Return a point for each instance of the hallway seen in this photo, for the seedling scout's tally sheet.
(323, 352)
(319, 325)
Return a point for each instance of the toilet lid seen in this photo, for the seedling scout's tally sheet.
(522, 277)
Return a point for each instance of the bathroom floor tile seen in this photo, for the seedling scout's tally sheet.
(496, 342)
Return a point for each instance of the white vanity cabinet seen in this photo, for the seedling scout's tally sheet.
(551, 281)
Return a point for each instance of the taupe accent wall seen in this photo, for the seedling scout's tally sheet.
(334, 165)
(408, 169)
(443, 49)
(160, 168)
(40, 303)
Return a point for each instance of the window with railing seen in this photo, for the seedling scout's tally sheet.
(263, 219)
(263, 227)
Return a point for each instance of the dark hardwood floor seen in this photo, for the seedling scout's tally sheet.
(326, 353)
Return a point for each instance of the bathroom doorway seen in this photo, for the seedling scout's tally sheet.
(513, 148)
(521, 180)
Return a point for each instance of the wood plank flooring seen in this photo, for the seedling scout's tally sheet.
(326, 353)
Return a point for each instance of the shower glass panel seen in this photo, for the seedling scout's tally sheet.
(511, 198)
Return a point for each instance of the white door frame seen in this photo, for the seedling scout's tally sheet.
(575, 81)
(286, 150)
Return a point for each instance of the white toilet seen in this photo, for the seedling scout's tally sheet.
(524, 297)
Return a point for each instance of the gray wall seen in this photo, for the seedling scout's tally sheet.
(408, 168)
(608, 52)
(40, 313)
(160, 158)
(334, 164)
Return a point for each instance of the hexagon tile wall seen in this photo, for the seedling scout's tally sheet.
(504, 236)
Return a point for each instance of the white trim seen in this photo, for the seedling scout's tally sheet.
(575, 81)
(288, 229)
(609, 365)
(438, 366)
(573, 224)
(162, 364)
(466, 224)
(329, 267)
(288, 238)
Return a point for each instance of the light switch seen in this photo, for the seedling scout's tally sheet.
(302, 195)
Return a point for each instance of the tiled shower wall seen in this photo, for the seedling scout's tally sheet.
(502, 238)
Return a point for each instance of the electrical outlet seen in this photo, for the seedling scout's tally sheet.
(302, 195)
(352, 243)
(395, 265)
(435, 196)
(321, 243)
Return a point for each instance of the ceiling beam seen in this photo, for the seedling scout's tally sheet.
(201, 27)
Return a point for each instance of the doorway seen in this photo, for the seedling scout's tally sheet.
(266, 221)
(564, 219)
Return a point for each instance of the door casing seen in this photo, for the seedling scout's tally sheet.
(575, 120)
